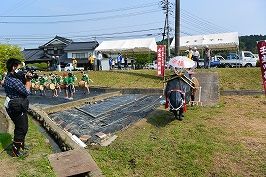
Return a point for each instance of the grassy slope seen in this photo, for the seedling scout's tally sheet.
(230, 78)
(204, 144)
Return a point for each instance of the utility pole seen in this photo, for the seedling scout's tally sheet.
(168, 29)
(177, 27)
(166, 5)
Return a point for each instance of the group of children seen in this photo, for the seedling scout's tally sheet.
(55, 83)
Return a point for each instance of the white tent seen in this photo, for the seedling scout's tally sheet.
(221, 41)
(144, 45)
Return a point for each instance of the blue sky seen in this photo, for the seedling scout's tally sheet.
(31, 23)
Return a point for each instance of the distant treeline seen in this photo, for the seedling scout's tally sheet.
(250, 42)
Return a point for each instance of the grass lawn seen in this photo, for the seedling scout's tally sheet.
(223, 140)
(36, 164)
(228, 139)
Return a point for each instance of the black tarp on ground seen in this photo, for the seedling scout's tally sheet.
(107, 116)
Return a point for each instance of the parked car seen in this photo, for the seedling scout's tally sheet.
(244, 59)
(214, 61)
(70, 67)
(152, 65)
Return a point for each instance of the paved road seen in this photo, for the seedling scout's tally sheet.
(48, 101)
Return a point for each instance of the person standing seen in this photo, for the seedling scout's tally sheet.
(58, 63)
(126, 62)
(99, 60)
(196, 57)
(74, 63)
(33, 82)
(43, 80)
(190, 52)
(54, 62)
(86, 80)
(119, 61)
(53, 81)
(187, 53)
(71, 82)
(110, 63)
(113, 63)
(17, 88)
(65, 85)
(207, 56)
(48, 65)
(91, 60)
(58, 83)
(45, 76)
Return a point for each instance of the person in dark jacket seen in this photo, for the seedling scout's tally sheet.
(17, 88)
(207, 57)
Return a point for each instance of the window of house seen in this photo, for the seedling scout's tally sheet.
(79, 55)
(50, 51)
(60, 51)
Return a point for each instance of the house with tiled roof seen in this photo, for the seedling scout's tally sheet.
(33, 55)
(44, 53)
(56, 46)
(80, 51)
(62, 47)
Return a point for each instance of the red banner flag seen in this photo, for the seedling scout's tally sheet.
(262, 55)
(160, 59)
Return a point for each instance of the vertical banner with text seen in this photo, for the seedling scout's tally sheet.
(160, 59)
(262, 55)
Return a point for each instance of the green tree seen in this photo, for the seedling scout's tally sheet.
(9, 51)
(250, 42)
(141, 59)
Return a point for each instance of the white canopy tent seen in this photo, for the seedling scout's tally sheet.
(144, 45)
(221, 41)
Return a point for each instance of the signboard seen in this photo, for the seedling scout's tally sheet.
(160, 59)
(262, 55)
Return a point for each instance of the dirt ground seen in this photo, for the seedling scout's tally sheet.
(234, 108)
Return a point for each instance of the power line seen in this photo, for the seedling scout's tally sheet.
(17, 5)
(81, 14)
(207, 22)
(85, 20)
(201, 23)
(41, 36)
(198, 25)
(104, 36)
(191, 23)
(77, 36)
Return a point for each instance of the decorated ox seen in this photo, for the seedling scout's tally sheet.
(180, 90)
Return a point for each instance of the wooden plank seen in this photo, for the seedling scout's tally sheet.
(69, 163)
